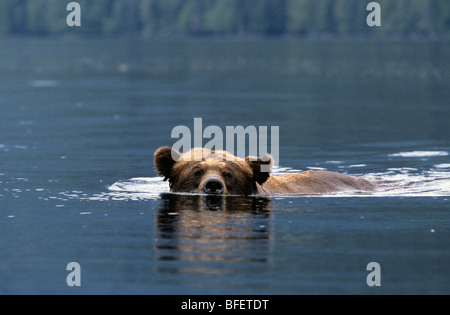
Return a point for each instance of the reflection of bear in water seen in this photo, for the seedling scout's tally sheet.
(213, 228)
(220, 172)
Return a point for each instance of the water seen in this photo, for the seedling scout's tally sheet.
(80, 120)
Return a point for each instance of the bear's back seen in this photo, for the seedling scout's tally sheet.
(313, 182)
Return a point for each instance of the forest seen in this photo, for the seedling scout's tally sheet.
(224, 17)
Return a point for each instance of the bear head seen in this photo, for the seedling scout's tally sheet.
(211, 172)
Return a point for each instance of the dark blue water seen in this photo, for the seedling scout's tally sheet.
(80, 121)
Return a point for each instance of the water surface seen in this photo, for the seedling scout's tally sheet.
(80, 120)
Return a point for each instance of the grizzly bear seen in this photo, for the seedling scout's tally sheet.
(221, 173)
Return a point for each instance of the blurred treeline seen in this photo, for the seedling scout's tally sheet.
(205, 17)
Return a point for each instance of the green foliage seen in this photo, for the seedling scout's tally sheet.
(196, 17)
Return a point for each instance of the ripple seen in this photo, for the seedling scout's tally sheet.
(44, 83)
(393, 182)
(444, 165)
(420, 154)
(151, 185)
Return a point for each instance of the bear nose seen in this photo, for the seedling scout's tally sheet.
(213, 186)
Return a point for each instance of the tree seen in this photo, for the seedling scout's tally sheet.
(300, 17)
(440, 13)
(325, 19)
(192, 17)
(150, 15)
(348, 15)
(4, 17)
(275, 17)
(35, 22)
(124, 18)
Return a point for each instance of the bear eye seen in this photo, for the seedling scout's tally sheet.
(227, 176)
(198, 174)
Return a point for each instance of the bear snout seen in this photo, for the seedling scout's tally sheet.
(213, 186)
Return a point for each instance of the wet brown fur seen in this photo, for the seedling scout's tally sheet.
(244, 176)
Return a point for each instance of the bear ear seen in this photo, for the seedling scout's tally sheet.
(165, 158)
(261, 167)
